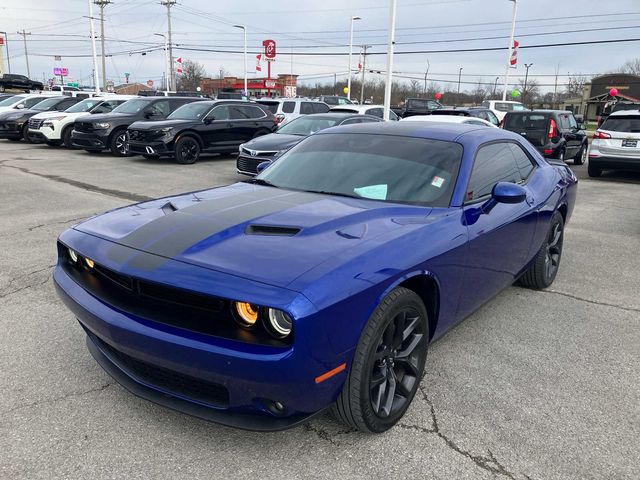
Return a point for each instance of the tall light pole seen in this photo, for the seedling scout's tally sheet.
(526, 76)
(24, 34)
(459, 78)
(102, 4)
(364, 69)
(93, 46)
(244, 30)
(391, 40)
(495, 85)
(350, 51)
(167, 67)
(426, 73)
(510, 51)
(172, 71)
(6, 44)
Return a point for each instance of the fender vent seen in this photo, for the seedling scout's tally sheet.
(272, 230)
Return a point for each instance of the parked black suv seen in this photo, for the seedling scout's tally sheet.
(18, 82)
(103, 131)
(14, 124)
(416, 106)
(218, 126)
(478, 112)
(554, 133)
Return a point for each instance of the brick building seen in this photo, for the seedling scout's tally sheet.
(283, 86)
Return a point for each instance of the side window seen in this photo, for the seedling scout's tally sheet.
(481, 114)
(241, 112)
(572, 122)
(30, 102)
(220, 113)
(370, 120)
(476, 122)
(288, 107)
(564, 122)
(160, 108)
(492, 117)
(432, 105)
(306, 108)
(494, 163)
(486, 104)
(351, 121)
(376, 112)
(503, 107)
(320, 108)
(523, 162)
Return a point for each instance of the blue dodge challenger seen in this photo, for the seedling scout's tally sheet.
(321, 282)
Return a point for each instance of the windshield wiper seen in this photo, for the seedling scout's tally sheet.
(337, 194)
(260, 181)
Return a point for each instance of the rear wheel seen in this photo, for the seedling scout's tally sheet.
(545, 266)
(561, 155)
(387, 365)
(118, 143)
(581, 156)
(593, 171)
(187, 150)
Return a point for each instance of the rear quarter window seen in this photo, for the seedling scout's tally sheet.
(288, 107)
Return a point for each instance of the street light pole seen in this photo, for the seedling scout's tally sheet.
(510, 51)
(495, 86)
(364, 69)
(350, 52)
(524, 90)
(166, 61)
(459, 78)
(24, 34)
(425, 78)
(93, 46)
(391, 40)
(244, 30)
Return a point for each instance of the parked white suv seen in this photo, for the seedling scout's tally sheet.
(25, 101)
(616, 144)
(54, 128)
(286, 109)
(374, 110)
(500, 108)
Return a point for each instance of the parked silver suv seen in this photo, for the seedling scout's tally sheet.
(286, 109)
(616, 144)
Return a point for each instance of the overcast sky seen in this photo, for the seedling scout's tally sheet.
(302, 28)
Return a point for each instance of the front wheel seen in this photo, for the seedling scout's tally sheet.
(387, 366)
(187, 150)
(118, 144)
(25, 133)
(561, 155)
(544, 269)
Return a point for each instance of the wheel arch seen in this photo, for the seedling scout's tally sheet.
(188, 133)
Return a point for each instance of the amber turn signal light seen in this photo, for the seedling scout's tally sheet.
(247, 314)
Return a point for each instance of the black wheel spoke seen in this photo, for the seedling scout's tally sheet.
(410, 327)
(389, 395)
(411, 346)
(408, 364)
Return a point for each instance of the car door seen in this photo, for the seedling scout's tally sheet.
(571, 134)
(500, 240)
(245, 122)
(217, 129)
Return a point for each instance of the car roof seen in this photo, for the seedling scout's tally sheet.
(355, 107)
(431, 130)
(281, 99)
(337, 115)
(625, 113)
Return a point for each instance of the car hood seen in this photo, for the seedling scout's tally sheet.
(158, 124)
(45, 115)
(274, 142)
(105, 117)
(260, 233)
(22, 113)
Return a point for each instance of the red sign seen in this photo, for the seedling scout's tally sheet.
(149, 83)
(514, 53)
(269, 50)
(1, 41)
(269, 84)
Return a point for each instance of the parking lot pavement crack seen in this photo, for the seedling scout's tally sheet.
(56, 399)
(9, 290)
(135, 197)
(593, 302)
(488, 463)
(324, 434)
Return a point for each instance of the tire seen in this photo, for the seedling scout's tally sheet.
(581, 156)
(544, 269)
(25, 133)
(1, 88)
(561, 155)
(118, 143)
(67, 141)
(593, 171)
(385, 360)
(187, 150)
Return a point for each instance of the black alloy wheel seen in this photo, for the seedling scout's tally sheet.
(387, 365)
(66, 137)
(561, 155)
(118, 145)
(25, 133)
(544, 268)
(187, 150)
(581, 156)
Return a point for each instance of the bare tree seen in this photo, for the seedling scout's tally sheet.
(478, 94)
(632, 67)
(192, 75)
(575, 85)
(529, 92)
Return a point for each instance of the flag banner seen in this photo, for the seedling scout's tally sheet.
(258, 66)
(514, 53)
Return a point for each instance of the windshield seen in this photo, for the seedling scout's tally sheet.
(379, 167)
(11, 100)
(307, 125)
(627, 124)
(132, 106)
(84, 106)
(47, 104)
(190, 111)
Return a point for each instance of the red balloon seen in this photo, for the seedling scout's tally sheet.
(438, 96)
(613, 92)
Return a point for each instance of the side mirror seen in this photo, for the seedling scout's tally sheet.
(581, 126)
(579, 118)
(208, 120)
(262, 166)
(505, 192)
(20, 107)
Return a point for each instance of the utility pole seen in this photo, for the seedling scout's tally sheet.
(24, 34)
(6, 44)
(524, 89)
(426, 73)
(391, 40)
(459, 78)
(102, 4)
(555, 87)
(172, 73)
(364, 69)
(495, 85)
(510, 51)
(93, 47)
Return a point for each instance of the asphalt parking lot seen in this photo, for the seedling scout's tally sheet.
(535, 385)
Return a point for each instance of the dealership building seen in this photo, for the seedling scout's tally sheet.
(595, 94)
(283, 86)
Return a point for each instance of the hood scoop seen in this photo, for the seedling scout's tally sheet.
(272, 230)
(168, 208)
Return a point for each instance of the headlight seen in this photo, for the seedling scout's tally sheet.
(278, 323)
(73, 256)
(247, 314)
(241, 147)
(102, 126)
(166, 130)
(54, 119)
(89, 262)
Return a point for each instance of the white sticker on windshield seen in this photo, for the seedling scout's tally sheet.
(375, 192)
(437, 181)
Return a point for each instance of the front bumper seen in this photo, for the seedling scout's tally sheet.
(616, 163)
(10, 130)
(149, 148)
(245, 379)
(38, 136)
(90, 141)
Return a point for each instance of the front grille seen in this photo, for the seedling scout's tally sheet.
(249, 164)
(8, 126)
(83, 126)
(35, 123)
(194, 388)
(259, 153)
(144, 135)
(164, 304)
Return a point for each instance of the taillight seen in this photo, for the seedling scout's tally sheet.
(553, 129)
(279, 118)
(599, 134)
(501, 123)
